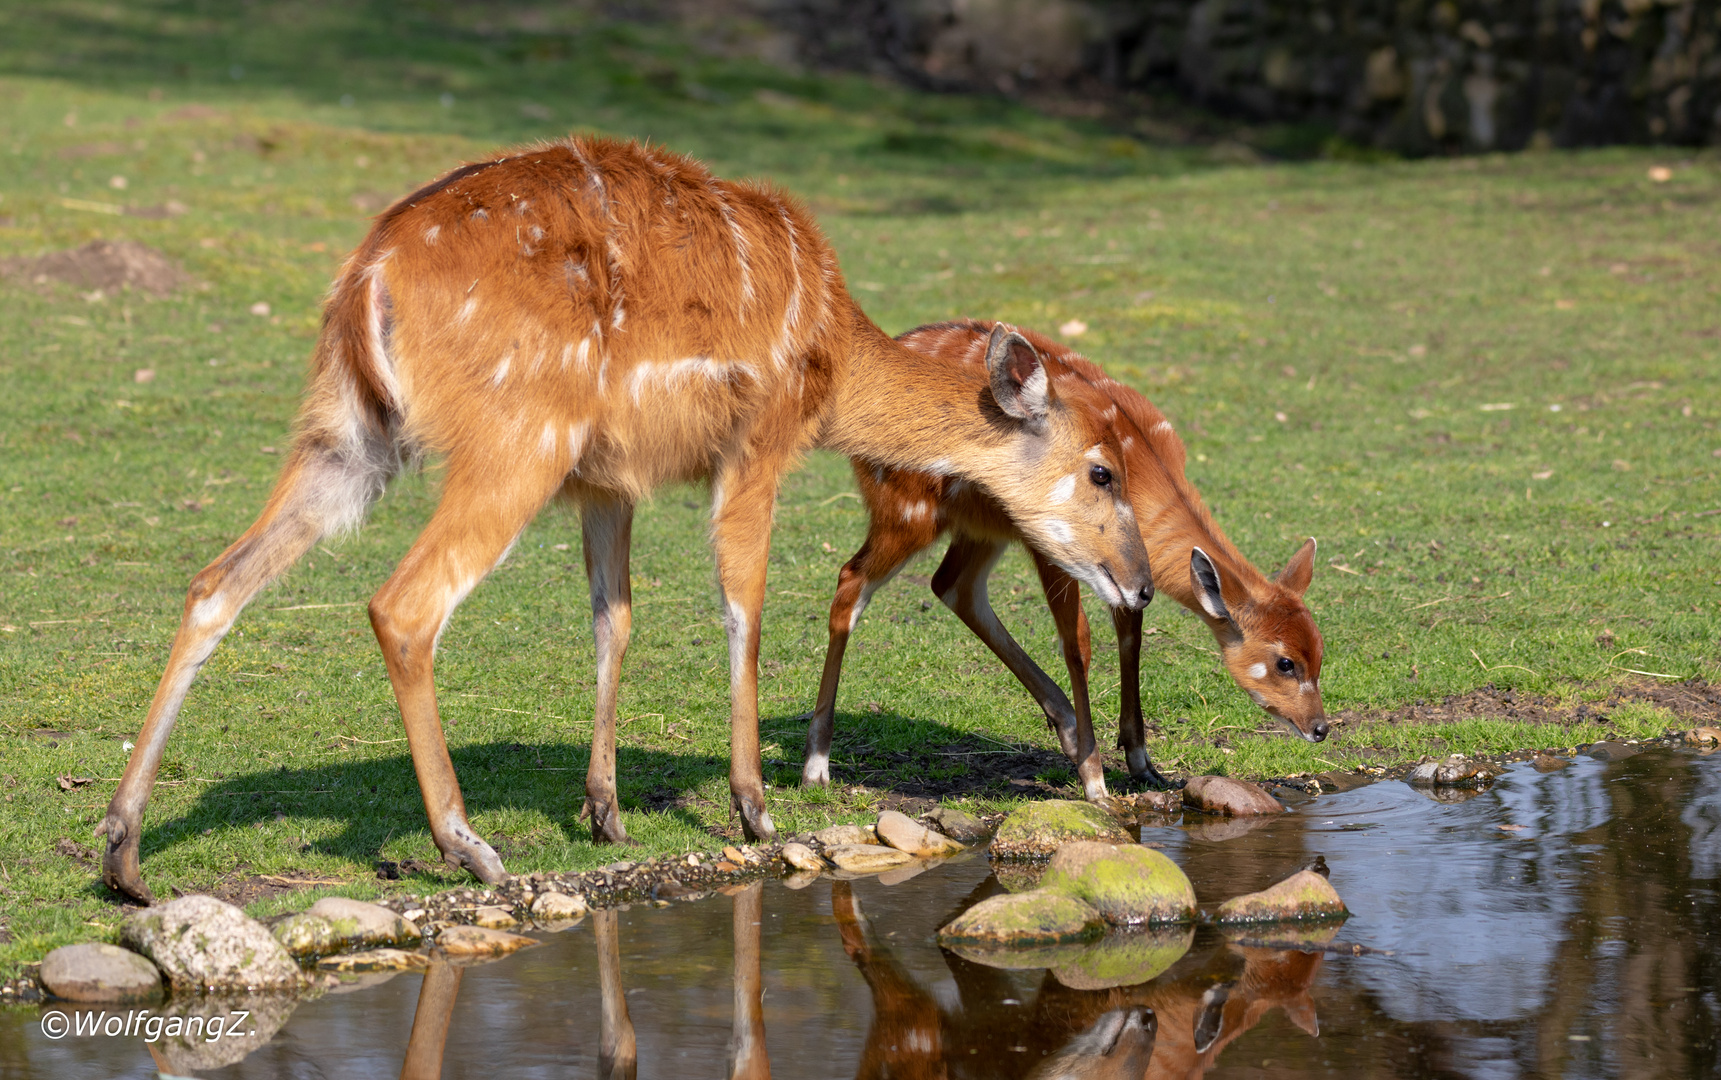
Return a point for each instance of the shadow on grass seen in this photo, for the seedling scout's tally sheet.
(880, 757)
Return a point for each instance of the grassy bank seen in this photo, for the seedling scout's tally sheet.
(1489, 387)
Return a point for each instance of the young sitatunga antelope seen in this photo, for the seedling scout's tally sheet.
(1265, 633)
(592, 319)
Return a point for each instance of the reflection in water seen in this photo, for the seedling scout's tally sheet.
(1584, 941)
(430, 1022)
(617, 1051)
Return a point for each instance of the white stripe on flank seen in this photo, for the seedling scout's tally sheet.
(791, 310)
(381, 363)
(501, 372)
(577, 443)
(1163, 425)
(547, 441)
(567, 354)
(431, 234)
(741, 248)
(467, 309)
(672, 373)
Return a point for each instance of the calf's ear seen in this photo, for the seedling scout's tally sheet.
(1019, 382)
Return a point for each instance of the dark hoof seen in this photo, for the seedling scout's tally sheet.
(606, 822)
(479, 860)
(755, 821)
(121, 870)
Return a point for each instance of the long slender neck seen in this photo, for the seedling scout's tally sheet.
(1174, 522)
(893, 406)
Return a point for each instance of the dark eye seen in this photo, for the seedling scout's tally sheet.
(1100, 475)
(1285, 665)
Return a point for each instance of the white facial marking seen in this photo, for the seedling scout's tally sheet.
(1305, 688)
(1062, 491)
(1260, 698)
(1257, 671)
(1059, 530)
(1096, 453)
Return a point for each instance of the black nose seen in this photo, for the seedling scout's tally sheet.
(1319, 731)
(1145, 597)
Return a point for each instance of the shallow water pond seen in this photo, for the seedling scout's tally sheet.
(1565, 923)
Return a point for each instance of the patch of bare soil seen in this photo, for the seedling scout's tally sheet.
(1693, 701)
(108, 266)
(240, 888)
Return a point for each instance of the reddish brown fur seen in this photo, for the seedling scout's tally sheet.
(591, 319)
(1259, 620)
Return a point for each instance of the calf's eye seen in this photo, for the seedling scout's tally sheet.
(1100, 475)
(1285, 665)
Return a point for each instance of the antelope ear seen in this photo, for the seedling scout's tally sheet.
(1205, 578)
(1019, 383)
(1300, 570)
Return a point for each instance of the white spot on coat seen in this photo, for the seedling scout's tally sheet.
(432, 233)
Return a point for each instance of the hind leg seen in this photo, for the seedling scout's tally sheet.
(319, 491)
(473, 527)
(882, 554)
(606, 529)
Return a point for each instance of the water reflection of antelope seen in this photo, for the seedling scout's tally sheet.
(1165, 1029)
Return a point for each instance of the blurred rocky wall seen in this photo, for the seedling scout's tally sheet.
(1413, 76)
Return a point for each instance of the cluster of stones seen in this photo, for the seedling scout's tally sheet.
(1099, 909)
(895, 848)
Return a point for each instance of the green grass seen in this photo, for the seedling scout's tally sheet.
(1378, 307)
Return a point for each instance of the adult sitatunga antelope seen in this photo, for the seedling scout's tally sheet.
(1266, 635)
(593, 319)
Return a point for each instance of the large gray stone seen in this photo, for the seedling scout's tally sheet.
(201, 943)
(1223, 795)
(558, 907)
(480, 941)
(866, 858)
(905, 834)
(958, 824)
(838, 835)
(1035, 830)
(339, 924)
(97, 973)
(802, 857)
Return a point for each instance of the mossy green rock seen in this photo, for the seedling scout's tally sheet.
(1303, 895)
(338, 924)
(1129, 885)
(1035, 830)
(1020, 919)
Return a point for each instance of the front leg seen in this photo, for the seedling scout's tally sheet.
(744, 495)
(1064, 598)
(1131, 729)
(606, 532)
